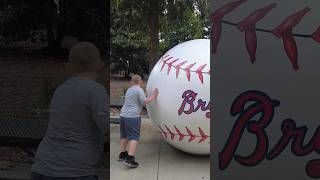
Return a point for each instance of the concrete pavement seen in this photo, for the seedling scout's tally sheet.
(158, 160)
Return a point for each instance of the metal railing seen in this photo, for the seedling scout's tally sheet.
(117, 103)
(29, 130)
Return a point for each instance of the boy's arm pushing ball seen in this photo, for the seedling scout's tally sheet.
(151, 98)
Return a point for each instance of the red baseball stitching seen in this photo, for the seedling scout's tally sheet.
(247, 25)
(177, 63)
(172, 133)
(216, 19)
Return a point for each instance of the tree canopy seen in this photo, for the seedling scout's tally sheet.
(44, 23)
(132, 23)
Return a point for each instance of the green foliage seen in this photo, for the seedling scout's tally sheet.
(129, 36)
(20, 21)
(180, 20)
(44, 22)
(183, 21)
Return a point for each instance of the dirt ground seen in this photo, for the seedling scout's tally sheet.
(118, 87)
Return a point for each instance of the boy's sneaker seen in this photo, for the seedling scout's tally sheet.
(123, 156)
(130, 162)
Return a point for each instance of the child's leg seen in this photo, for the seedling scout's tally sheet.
(123, 135)
(123, 145)
(133, 135)
(132, 147)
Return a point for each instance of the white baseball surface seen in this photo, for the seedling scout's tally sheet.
(182, 111)
(279, 78)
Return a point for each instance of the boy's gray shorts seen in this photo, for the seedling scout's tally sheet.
(130, 128)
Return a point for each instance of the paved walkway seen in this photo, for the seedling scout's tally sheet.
(158, 160)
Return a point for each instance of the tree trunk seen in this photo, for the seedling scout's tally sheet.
(60, 23)
(154, 9)
(51, 39)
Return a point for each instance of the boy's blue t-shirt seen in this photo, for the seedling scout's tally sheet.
(133, 103)
(76, 132)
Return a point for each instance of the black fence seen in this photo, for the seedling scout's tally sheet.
(29, 130)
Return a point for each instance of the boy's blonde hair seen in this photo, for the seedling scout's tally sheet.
(136, 79)
(84, 55)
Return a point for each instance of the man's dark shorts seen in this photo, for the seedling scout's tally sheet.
(130, 128)
(36, 176)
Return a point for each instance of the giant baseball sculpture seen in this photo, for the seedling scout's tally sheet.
(182, 109)
(266, 59)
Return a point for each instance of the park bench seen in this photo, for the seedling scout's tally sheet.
(117, 103)
(23, 131)
(29, 130)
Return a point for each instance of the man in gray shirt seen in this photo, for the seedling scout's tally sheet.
(130, 120)
(77, 122)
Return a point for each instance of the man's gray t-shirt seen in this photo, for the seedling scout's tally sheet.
(76, 132)
(133, 103)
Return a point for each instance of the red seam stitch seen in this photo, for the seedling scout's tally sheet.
(178, 68)
(171, 133)
(187, 70)
(248, 26)
(162, 131)
(203, 135)
(164, 56)
(170, 64)
(216, 19)
(283, 31)
(181, 136)
(164, 62)
(192, 136)
(199, 72)
(316, 35)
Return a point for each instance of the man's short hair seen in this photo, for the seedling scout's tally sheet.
(84, 55)
(136, 79)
